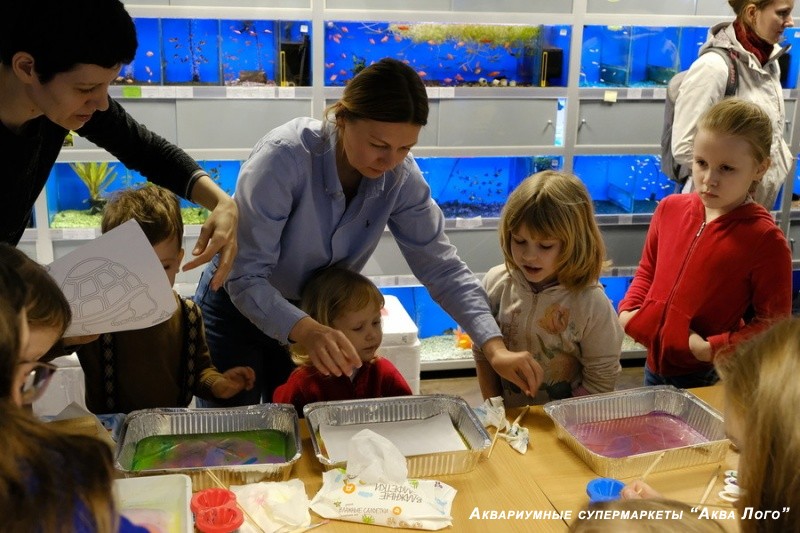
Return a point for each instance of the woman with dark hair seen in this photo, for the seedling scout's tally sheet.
(317, 193)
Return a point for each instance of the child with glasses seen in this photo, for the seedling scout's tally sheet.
(49, 480)
(48, 315)
(167, 364)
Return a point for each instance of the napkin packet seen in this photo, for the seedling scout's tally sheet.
(374, 489)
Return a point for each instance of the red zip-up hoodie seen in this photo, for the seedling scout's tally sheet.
(703, 277)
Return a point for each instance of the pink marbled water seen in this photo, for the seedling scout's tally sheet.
(635, 435)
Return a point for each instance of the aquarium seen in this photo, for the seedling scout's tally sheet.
(77, 192)
(623, 184)
(220, 52)
(790, 61)
(451, 55)
(637, 56)
(466, 187)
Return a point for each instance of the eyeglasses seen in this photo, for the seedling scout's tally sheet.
(36, 380)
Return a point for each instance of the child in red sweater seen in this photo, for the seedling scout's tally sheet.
(351, 303)
(712, 258)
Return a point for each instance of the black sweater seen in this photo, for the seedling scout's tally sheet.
(30, 155)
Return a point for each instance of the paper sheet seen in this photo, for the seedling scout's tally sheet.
(412, 437)
(114, 283)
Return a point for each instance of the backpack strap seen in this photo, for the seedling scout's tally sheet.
(730, 56)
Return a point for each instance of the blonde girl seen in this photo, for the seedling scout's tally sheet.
(715, 268)
(547, 298)
(761, 399)
(348, 302)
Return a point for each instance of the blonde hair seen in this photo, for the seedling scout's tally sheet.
(556, 205)
(386, 91)
(739, 118)
(157, 210)
(687, 521)
(760, 381)
(332, 292)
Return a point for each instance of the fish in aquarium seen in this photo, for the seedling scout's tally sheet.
(442, 54)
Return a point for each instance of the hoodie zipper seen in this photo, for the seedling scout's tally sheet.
(680, 276)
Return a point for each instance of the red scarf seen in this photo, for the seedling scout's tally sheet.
(752, 42)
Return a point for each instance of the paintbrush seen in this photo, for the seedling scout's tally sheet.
(218, 482)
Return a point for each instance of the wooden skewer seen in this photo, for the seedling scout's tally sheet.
(653, 465)
(218, 482)
(312, 526)
(522, 414)
(710, 485)
(494, 441)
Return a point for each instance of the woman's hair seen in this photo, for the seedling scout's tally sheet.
(48, 479)
(761, 390)
(386, 91)
(739, 5)
(332, 292)
(556, 205)
(46, 305)
(59, 35)
(686, 521)
(738, 118)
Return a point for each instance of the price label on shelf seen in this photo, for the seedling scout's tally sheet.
(285, 92)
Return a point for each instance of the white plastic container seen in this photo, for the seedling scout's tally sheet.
(158, 501)
(400, 343)
(66, 386)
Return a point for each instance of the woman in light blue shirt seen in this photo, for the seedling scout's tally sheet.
(317, 193)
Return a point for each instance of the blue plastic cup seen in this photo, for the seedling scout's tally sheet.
(604, 489)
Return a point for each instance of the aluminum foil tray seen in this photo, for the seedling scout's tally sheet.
(679, 403)
(184, 421)
(350, 412)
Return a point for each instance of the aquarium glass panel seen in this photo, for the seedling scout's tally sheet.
(620, 184)
(70, 204)
(145, 69)
(191, 51)
(790, 64)
(478, 186)
(451, 54)
(214, 52)
(637, 56)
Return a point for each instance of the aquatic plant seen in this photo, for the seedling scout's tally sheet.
(97, 177)
(489, 34)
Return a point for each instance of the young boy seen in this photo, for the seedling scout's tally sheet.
(54, 78)
(166, 364)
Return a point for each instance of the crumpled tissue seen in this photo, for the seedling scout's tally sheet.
(374, 489)
(277, 507)
(492, 412)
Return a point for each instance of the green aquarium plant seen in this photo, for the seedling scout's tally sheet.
(97, 177)
(505, 35)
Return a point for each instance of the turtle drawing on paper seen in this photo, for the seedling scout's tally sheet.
(104, 294)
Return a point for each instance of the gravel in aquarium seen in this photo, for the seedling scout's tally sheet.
(442, 348)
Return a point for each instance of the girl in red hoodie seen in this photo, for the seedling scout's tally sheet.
(715, 268)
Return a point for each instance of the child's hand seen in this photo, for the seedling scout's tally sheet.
(520, 368)
(625, 317)
(233, 382)
(639, 490)
(700, 347)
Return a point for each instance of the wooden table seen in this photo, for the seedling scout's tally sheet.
(549, 478)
